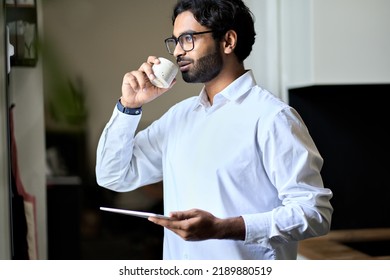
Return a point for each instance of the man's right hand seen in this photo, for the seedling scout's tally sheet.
(137, 89)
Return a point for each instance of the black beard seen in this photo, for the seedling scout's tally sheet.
(205, 69)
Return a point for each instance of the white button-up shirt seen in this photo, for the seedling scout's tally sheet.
(249, 155)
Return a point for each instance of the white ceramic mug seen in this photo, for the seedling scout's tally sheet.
(164, 72)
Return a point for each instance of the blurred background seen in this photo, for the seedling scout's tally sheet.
(65, 78)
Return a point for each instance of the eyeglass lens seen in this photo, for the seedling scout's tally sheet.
(185, 40)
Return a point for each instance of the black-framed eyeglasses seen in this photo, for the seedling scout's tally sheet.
(186, 41)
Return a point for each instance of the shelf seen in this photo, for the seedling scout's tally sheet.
(21, 20)
(26, 13)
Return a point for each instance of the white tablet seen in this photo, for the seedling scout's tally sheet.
(134, 213)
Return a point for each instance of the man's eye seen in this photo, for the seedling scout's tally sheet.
(187, 38)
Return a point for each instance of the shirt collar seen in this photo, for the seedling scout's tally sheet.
(232, 92)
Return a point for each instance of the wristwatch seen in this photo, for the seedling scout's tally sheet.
(128, 111)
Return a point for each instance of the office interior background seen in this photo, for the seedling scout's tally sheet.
(63, 96)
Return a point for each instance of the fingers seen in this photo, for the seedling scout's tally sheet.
(191, 225)
(147, 67)
(135, 80)
(185, 215)
(172, 223)
(180, 227)
(140, 79)
(153, 60)
(137, 88)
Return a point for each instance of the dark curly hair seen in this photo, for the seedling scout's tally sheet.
(222, 16)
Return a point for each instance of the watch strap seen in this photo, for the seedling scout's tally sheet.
(128, 111)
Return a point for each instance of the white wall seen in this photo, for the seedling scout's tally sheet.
(351, 41)
(334, 42)
(295, 43)
(265, 57)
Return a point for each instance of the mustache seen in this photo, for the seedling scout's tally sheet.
(181, 59)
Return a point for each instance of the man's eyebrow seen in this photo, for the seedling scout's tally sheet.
(184, 32)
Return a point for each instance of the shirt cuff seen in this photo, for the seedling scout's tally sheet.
(257, 227)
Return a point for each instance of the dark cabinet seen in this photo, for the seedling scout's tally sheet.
(65, 186)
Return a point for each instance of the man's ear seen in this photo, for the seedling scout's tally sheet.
(230, 41)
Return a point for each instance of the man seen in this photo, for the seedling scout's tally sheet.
(240, 171)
